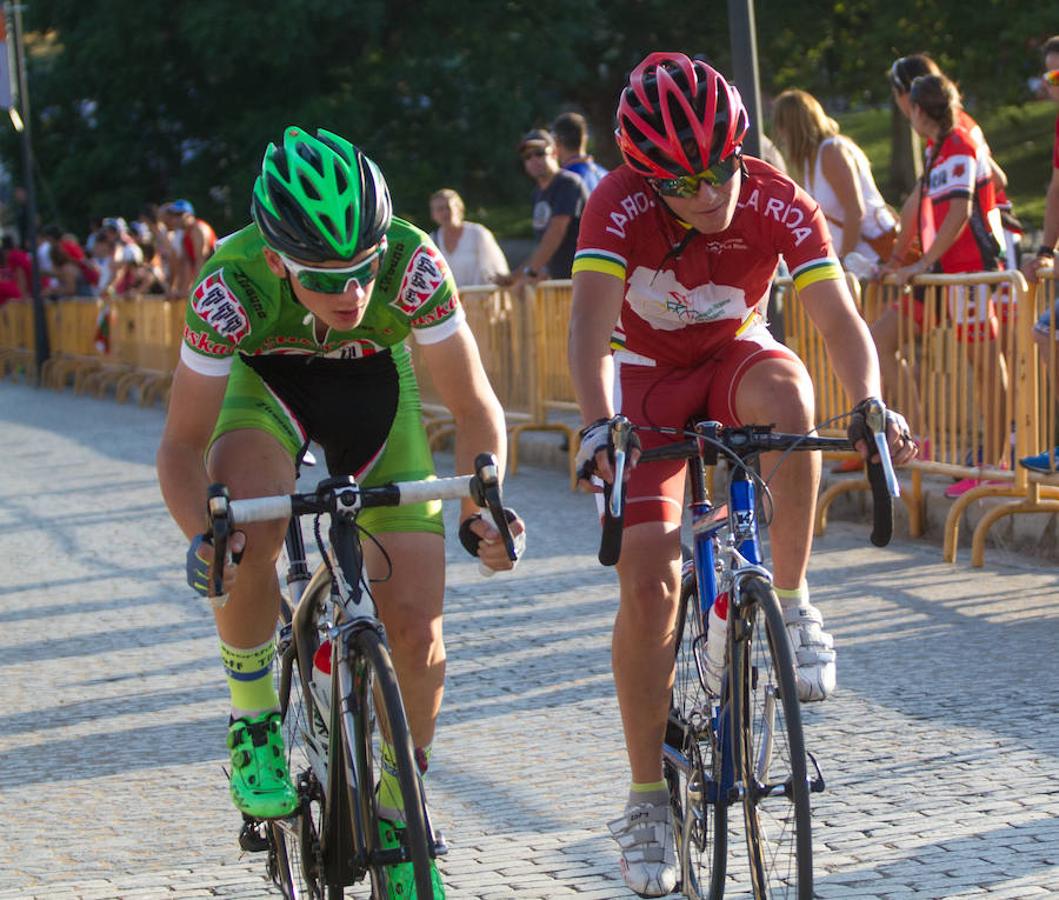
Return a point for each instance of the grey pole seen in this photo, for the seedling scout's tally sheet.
(40, 322)
(743, 35)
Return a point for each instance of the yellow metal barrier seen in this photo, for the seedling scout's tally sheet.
(17, 337)
(971, 401)
(1036, 391)
(72, 332)
(522, 341)
(159, 330)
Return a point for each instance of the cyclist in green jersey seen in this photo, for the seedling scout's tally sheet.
(295, 330)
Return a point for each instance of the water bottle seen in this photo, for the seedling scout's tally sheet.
(320, 685)
(716, 641)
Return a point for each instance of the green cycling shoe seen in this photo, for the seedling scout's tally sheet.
(401, 877)
(260, 783)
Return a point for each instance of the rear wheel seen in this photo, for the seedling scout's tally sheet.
(376, 701)
(769, 747)
(699, 818)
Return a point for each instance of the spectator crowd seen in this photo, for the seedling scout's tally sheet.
(156, 254)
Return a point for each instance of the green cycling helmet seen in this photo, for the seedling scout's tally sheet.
(319, 198)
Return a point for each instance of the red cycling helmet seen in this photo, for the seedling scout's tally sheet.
(678, 116)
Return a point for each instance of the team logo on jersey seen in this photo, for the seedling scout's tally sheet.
(203, 343)
(216, 305)
(734, 243)
(666, 305)
(357, 348)
(424, 274)
(439, 312)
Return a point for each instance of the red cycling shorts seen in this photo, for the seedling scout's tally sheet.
(652, 394)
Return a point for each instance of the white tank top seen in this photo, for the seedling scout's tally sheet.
(878, 219)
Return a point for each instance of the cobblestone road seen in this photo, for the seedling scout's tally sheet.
(940, 748)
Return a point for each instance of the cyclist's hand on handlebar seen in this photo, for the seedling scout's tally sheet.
(481, 539)
(903, 449)
(593, 457)
(199, 557)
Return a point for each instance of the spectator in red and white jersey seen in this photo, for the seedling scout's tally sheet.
(193, 246)
(958, 226)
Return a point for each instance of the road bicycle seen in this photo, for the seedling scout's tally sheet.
(741, 745)
(333, 724)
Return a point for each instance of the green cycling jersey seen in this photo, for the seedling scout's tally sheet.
(239, 306)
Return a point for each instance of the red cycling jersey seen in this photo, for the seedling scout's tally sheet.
(954, 173)
(688, 294)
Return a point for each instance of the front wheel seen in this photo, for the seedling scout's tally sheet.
(768, 747)
(376, 698)
(693, 773)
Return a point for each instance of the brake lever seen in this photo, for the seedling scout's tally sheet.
(620, 430)
(218, 514)
(875, 418)
(488, 496)
(614, 493)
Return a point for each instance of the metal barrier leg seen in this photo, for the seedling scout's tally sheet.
(832, 493)
(952, 521)
(981, 531)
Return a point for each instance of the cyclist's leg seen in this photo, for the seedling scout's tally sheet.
(777, 389)
(642, 645)
(253, 457)
(411, 552)
(757, 380)
(643, 639)
(410, 600)
(410, 606)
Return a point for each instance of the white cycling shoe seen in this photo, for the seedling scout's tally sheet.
(648, 859)
(814, 652)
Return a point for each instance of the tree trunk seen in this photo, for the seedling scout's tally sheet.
(906, 161)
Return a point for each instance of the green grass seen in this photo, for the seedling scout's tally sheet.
(1021, 138)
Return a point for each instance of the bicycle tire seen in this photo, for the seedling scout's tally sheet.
(768, 748)
(377, 700)
(295, 863)
(700, 827)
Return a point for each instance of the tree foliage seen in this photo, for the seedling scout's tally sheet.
(136, 102)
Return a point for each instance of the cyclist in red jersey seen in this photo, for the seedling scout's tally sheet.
(676, 253)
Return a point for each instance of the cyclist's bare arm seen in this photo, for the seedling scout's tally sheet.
(194, 404)
(597, 300)
(456, 370)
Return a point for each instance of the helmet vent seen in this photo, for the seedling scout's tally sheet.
(341, 182)
(309, 187)
(328, 223)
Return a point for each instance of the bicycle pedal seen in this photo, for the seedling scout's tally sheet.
(441, 846)
(252, 836)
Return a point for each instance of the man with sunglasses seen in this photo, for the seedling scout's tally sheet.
(558, 200)
(675, 258)
(295, 331)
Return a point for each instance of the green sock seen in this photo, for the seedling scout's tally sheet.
(250, 678)
(389, 787)
(789, 598)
